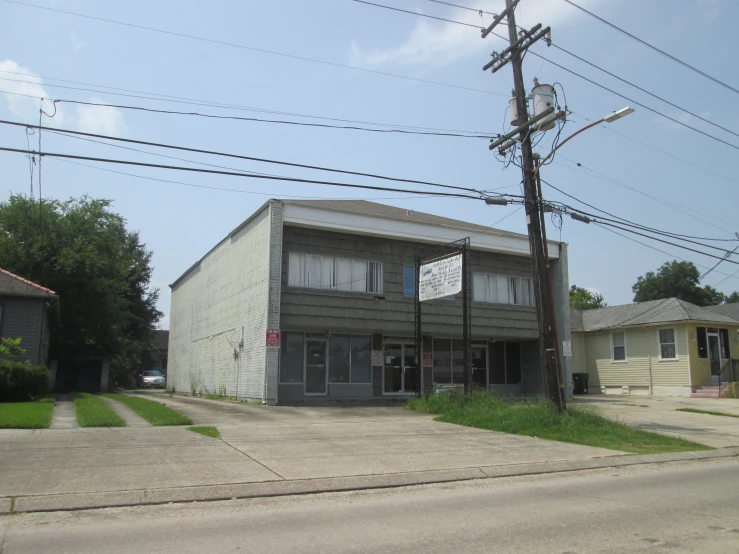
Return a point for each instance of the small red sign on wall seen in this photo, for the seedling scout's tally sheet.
(427, 359)
(273, 337)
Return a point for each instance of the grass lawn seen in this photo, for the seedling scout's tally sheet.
(93, 411)
(537, 419)
(26, 415)
(692, 411)
(206, 430)
(152, 411)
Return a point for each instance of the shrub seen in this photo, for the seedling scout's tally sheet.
(21, 381)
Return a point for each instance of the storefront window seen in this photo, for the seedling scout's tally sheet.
(497, 371)
(724, 338)
(702, 342)
(361, 358)
(338, 365)
(513, 363)
(458, 362)
(442, 361)
(291, 362)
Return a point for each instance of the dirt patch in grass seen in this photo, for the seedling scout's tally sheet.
(25, 415)
(577, 425)
(93, 411)
(692, 411)
(155, 413)
(206, 430)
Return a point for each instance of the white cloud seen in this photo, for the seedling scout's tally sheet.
(25, 89)
(102, 120)
(76, 43)
(24, 92)
(441, 44)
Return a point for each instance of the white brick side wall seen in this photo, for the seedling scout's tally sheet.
(219, 302)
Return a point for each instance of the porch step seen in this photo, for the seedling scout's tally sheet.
(706, 390)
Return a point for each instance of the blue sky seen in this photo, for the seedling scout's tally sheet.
(181, 223)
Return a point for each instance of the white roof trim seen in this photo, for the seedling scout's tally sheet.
(372, 225)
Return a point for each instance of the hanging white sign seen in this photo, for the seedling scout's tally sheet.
(440, 278)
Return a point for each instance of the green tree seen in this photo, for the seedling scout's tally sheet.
(583, 299)
(101, 271)
(676, 280)
(733, 298)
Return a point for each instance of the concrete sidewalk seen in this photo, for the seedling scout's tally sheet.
(659, 414)
(269, 451)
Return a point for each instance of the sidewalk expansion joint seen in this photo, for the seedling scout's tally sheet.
(254, 460)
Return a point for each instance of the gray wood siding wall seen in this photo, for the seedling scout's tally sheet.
(24, 318)
(311, 309)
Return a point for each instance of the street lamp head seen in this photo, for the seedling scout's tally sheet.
(623, 112)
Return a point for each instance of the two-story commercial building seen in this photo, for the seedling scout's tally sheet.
(337, 279)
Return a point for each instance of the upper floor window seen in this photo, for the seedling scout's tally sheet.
(502, 289)
(667, 344)
(332, 273)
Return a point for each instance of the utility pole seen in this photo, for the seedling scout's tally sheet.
(548, 351)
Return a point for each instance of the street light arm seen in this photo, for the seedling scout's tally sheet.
(561, 144)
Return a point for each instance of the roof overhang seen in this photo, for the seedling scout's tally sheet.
(401, 229)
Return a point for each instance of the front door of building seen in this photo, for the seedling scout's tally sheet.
(316, 366)
(399, 373)
(479, 366)
(714, 354)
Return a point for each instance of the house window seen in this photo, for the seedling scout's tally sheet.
(500, 289)
(331, 273)
(667, 344)
(619, 346)
(702, 342)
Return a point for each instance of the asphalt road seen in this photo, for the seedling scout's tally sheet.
(679, 507)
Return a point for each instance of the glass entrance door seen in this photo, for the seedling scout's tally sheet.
(714, 354)
(399, 374)
(316, 369)
(479, 366)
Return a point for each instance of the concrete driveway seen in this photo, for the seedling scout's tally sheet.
(337, 441)
(659, 414)
(260, 444)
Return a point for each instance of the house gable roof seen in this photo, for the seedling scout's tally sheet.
(668, 310)
(13, 285)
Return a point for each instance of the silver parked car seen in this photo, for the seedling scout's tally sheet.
(153, 379)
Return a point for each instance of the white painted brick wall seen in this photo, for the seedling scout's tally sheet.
(223, 297)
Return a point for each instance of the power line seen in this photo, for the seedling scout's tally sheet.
(717, 264)
(197, 102)
(463, 7)
(664, 241)
(644, 227)
(645, 91)
(664, 252)
(417, 13)
(241, 157)
(673, 58)
(227, 189)
(241, 174)
(671, 205)
(674, 120)
(678, 158)
(251, 48)
(254, 119)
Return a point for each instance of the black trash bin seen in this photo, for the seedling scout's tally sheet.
(580, 381)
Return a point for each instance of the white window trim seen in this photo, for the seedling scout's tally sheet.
(659, 345)
(335, 286)
(626, 350)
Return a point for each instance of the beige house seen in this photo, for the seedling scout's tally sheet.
(663, 347)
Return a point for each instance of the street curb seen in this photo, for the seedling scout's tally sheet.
(211, 493)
